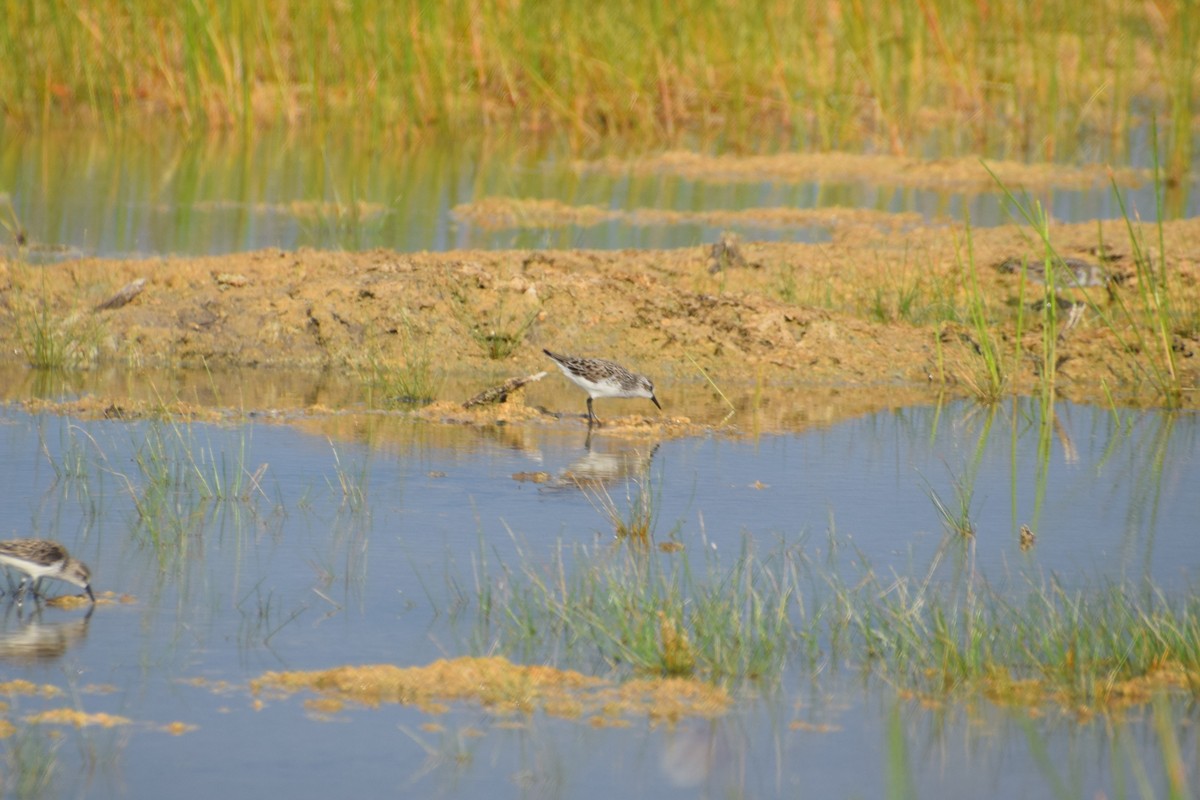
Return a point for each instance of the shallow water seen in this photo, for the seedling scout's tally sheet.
(357, 547)
(154, 193)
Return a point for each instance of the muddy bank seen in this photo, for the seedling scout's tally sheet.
(872, 312)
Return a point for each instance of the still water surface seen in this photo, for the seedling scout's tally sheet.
(356, 551)
(155, 193)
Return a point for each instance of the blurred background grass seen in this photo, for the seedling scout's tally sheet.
(885, 76)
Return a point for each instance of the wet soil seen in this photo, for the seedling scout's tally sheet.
(875, 317)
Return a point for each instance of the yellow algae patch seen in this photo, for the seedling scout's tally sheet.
(813, 727)
(325, 706)
(491, 681)
(22, 687)
(605, 721)
(7, 729)
(80, 719)
(501, 685)
(1102, 694)
(671, 699)
(452, 412)
(778, 217)
(215, 686)
(498, 213)
(301, 209)
(1140, 689)
(178, 728)
(965, 172)
(126, 409)
(69, 601)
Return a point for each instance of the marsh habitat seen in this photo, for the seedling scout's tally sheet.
(918, 286)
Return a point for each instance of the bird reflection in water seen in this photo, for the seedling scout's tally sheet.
(25, 638)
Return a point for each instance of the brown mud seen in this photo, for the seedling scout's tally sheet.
(787, 334)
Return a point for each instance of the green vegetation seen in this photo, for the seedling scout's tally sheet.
(177, 480)
(50, 339)
(31, 761)
(633, 607)
(1148, 328)
(955, 518)
(940, 632)
(991, 384)
(500, 337)
(620, 607)
(492, 323)
(708, 379)
(829, 75)
(637, 524)
(351, 483)
(1154, 310)
(414, 382)
(53, 343)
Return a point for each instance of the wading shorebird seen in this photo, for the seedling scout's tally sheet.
(601, 378)
(40, 558)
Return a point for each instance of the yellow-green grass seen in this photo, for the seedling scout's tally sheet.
(1026, 76)
(783, 608)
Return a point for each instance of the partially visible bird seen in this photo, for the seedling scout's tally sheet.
(1068, 273)
(41, 558)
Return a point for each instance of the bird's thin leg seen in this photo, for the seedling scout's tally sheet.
(592, 418)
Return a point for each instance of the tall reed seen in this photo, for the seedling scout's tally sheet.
(1023, 77)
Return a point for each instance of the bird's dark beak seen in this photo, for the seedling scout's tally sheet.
(654, 400)
(88, 588)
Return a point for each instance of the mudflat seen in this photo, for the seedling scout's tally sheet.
(902, 310)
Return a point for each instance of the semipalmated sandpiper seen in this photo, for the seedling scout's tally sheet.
(601, 378)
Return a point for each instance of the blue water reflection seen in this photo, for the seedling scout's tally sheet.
(341, 552)
(153, 194)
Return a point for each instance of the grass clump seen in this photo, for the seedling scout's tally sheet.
(497, 328)
(989, 383)
(1154, 296)
(935, 636)
(646, 612)
(178, 479)
(1087, 650)
(955, 516)
(636, 524)
(49, 341)
(59, 344)
(414, 382)
(499, 338)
